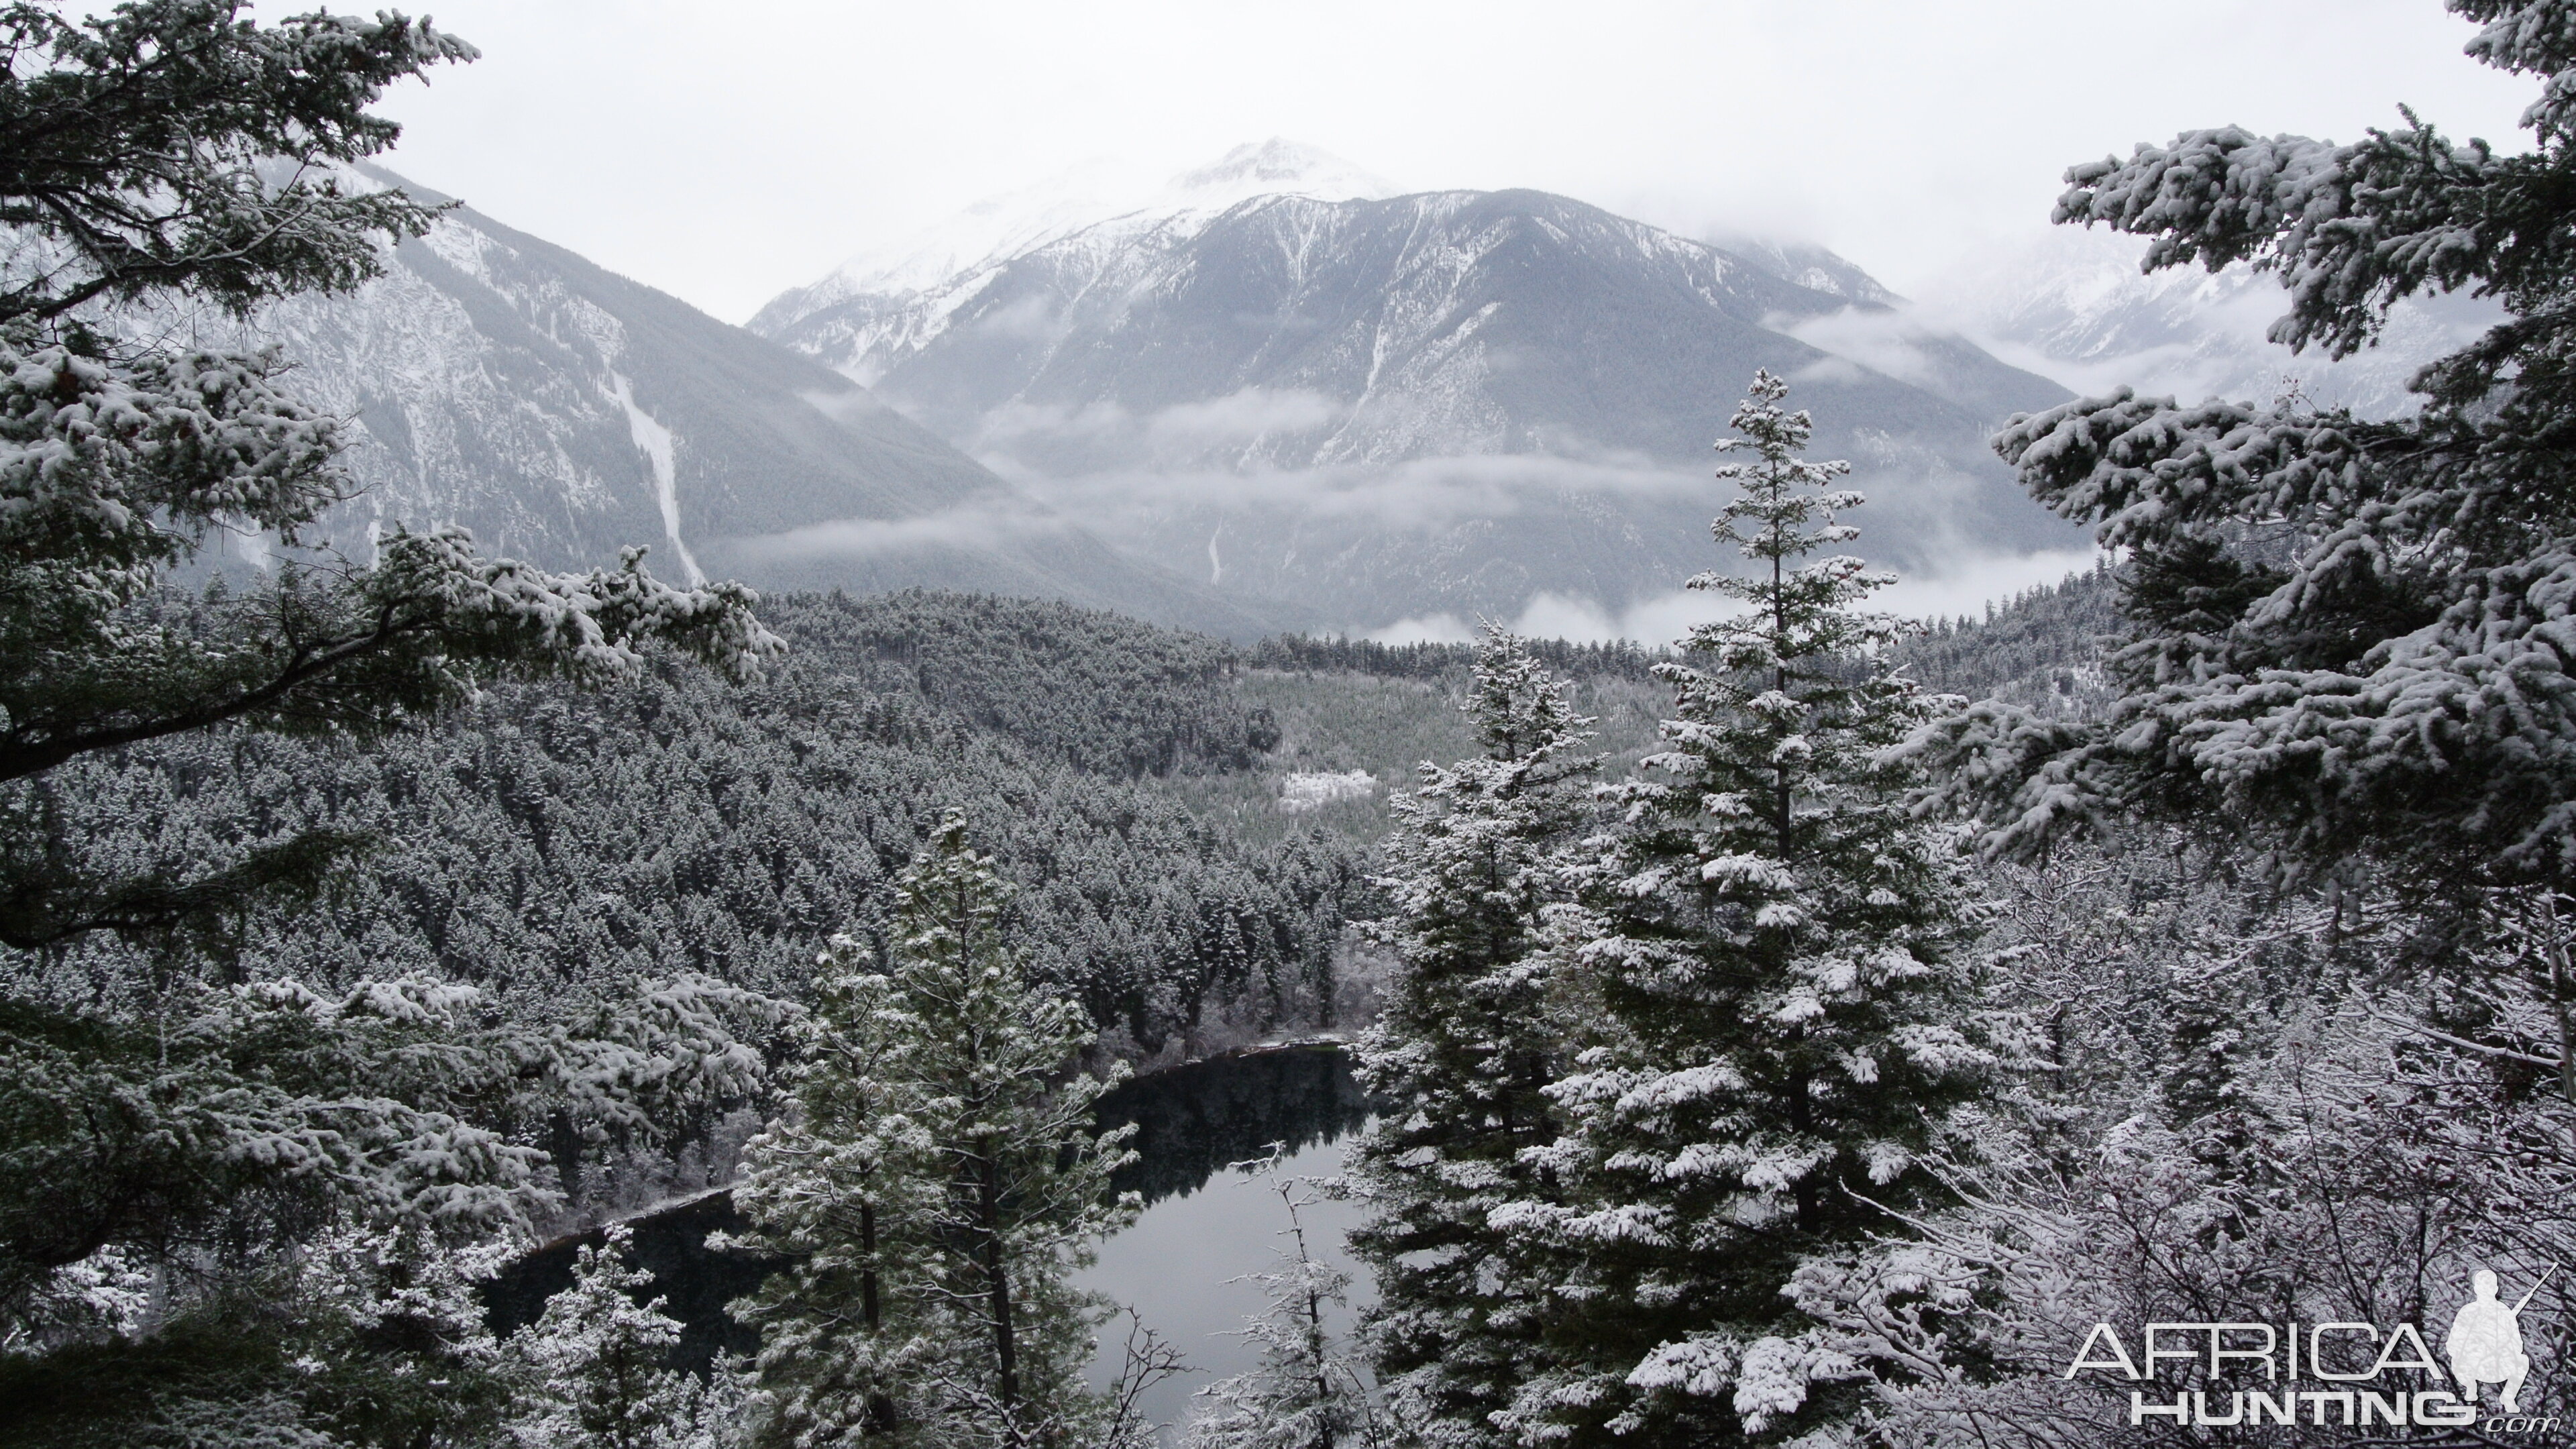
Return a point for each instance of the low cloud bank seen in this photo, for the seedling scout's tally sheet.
(974, 526)
(1425, 492)
(1964, 590)
(1223, 427)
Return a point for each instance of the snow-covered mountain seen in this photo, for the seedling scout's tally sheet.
(560, 411)
(1808, 265)
(1393, 406)
(2071, 304)
(1001, 227)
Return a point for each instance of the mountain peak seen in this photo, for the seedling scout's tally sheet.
(1279, 165)
(1032, 216)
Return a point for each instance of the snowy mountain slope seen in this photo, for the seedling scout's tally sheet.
(1000, 227)
(1447, 323)
(560, 411)
(1807, 264)
(2071, 304)
(1444, 402)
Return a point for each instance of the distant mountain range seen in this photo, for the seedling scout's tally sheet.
(2072, 304)
(1000, 227)
(1275, 391)
(1386, 406)
(560, 411)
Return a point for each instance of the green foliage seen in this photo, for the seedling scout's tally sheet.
(1764, 989)
(941, 1182)
(1463, 1051)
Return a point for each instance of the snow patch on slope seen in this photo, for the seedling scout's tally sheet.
(1311, 790)
(655, 441)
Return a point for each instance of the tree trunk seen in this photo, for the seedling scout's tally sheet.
(1323, 1383)
(988, 1205)
(881, 1416)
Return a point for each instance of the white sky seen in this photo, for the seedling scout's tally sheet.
(727, 152)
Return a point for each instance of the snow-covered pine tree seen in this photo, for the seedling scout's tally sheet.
(162, 157)
(1762, 980)
(2346, 632)
(982, 1053)
(174, 155)
(595, 1372)
(840, 1189)
(976, 1148)
(1307, 1392)
(1464, 1049)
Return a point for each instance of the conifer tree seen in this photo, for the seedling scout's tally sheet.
(158, 158)
(596, 1367)
(176, 155)
(2345, 632)
(1464, 1049)
(1761, 980)
(838, 1190)
(951, 1130)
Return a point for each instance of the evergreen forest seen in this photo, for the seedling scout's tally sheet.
(2140, 1014)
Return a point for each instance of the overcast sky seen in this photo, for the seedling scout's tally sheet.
(725, 152)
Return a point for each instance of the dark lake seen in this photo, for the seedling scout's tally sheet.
(1203, 1223)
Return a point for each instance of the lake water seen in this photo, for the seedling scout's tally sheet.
(1203, 1224)
(1206, 1225)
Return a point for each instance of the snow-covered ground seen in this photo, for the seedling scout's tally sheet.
(1305, 791)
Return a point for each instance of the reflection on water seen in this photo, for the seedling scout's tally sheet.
(1203, 1224)
(1193, 1120)
(1206, 1225)
(1174, 1269)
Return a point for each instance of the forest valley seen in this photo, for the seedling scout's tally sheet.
(1826, 1031)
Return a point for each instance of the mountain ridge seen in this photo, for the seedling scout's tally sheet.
(497, 381)
(1441, 402)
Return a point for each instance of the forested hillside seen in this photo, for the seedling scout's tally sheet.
(554, 846)
(2043, 643)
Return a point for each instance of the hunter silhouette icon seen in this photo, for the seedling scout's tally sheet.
(2485, 1345)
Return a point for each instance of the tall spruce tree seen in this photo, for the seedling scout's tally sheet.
(838, 1190)
(1761, 980)
(1464, 1050)
(947, 1177)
